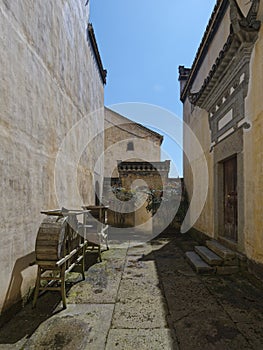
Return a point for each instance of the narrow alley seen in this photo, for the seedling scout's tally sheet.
(143, 297)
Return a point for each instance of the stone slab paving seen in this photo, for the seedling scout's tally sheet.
(144, 296)
(242, 301)
(78, 327)
(209, 329)
(141, 339)
(140, 303)
(209, 312)
(16, 346)
(102, 280)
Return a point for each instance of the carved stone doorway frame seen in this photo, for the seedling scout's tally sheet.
(229, 147)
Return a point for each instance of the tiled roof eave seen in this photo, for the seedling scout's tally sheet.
(224, 58)
(211, 29)
(92, 38)
(143, 166)
(243, 27)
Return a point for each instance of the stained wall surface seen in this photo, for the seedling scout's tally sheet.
(119, 132)
(251, 168)
(50, 88)
(253, 154)
(197, 120)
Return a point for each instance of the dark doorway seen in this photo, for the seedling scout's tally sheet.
(230, 198)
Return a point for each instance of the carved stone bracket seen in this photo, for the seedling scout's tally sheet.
(224, 90)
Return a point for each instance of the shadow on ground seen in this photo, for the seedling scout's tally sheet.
(206, 312)
(23, 324)
(200, 312)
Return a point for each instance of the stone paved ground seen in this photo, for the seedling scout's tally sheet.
(144, 297)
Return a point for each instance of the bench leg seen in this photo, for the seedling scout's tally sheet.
(37, 287)
(63, 286)
(107, 245)
(99, 252)
(83, 263)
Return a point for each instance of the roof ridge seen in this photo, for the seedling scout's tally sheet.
(219, 10)
(138, 124)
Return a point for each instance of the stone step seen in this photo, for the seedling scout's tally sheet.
(208, 256)
(198, 263)
(226, 270)
(222, 251)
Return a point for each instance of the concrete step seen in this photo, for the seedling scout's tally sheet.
(208, 256)
(222, 251)
(198, 263)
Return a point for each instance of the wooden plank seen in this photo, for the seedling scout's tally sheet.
(52, 225)
(47, 230)
(49, 265)
(48, 238)
(47, 257)
(74, 264)
(47, 249)
(70, 255)
(50, 288)
(43, 242)
(50, 278)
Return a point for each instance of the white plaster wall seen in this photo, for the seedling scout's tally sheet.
(253, 154)
(244, 5)
(198, 123)
(48, 82)
(197, 120)
(118, 132)
(253, 142)
(215, 47)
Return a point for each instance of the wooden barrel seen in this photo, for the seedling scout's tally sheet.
(50, 242)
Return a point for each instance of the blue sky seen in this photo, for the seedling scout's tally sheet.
(142, 43)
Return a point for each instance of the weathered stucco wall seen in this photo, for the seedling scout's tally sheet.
(119, 131)
(251, 167)
(214, 48)
(49, 81)
(244, 5)
(253, 154)
(139, 176)
(198, 122)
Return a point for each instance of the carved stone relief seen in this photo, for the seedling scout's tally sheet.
(225, 88)
(229, 98)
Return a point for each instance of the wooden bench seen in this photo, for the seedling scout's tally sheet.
(59, 248)
(62, 242)
(95, 221)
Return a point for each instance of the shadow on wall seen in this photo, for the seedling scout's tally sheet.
(14, 299)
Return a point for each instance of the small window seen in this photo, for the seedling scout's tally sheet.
(130, 146)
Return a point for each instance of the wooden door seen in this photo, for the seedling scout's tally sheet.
(230, 199)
